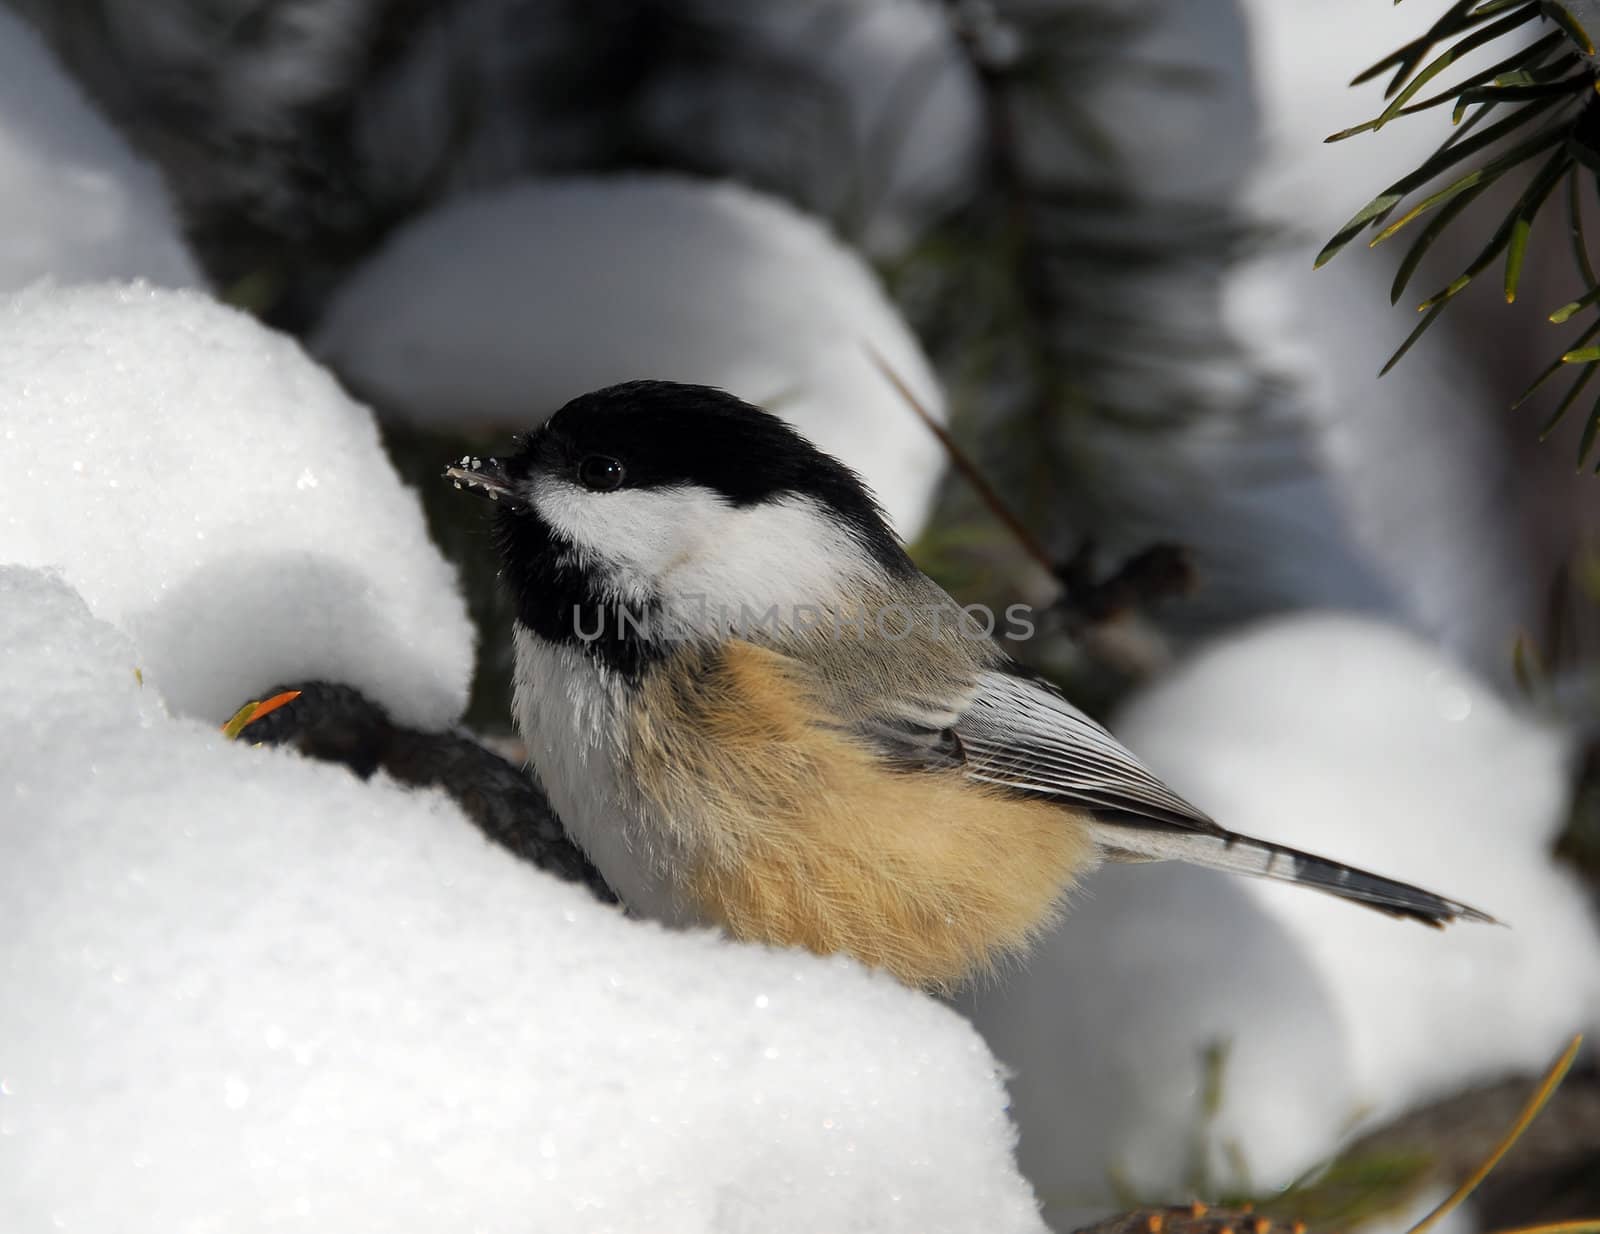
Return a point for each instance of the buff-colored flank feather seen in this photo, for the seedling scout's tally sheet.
(799, 834)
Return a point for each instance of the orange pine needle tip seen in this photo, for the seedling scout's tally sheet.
(251, 712)
(268, 706)
(1154, 1222)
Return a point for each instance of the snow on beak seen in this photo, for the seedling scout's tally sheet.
(484, 476)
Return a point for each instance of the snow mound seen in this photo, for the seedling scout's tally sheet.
(1352, 739)
(494, 311)
(76, 204)
(254, 991)
(1108, 1031)
(212, 492)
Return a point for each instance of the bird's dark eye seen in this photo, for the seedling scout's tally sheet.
(601, 474)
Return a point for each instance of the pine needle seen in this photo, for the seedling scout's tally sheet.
(1590, 1226)
(1570, 397)
(1546, 77)
(965, 465)
(1525, 665)
(1541, 1095)
(251, 712)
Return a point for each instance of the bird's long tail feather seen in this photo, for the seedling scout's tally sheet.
(1139, 840)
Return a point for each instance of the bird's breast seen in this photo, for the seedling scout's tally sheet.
(570, 714)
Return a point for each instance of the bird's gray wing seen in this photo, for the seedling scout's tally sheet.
(1009, 729)
(1018, 732)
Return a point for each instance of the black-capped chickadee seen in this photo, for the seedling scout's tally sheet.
(750, 707)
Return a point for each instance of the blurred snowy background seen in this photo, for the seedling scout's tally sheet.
(270, 263)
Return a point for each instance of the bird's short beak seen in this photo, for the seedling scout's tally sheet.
(484, 476)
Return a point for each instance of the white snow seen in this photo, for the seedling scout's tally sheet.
(215, 494)
(494, 311)
(1303, 55)
(248, 992)
(1106, 1027)
(76, 204)
(1351, 739)
(1354, 739)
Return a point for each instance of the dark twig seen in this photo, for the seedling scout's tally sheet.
(338, 724)
(963, 464)
(1159, 571)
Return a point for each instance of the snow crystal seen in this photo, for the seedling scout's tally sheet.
(1354, 740)
(252, 991)
(154, 450)
(496, 310)
(76, 204)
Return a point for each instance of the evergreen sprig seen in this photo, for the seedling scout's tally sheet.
(1534, 116)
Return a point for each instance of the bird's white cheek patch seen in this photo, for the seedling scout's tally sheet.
(713, 565)
(637, 535)
(785, 554)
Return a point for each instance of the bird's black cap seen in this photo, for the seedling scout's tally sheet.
(665, 434)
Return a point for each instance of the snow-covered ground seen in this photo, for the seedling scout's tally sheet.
(493, 311)
(76, 204)
(250, 992)
(256, 992)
